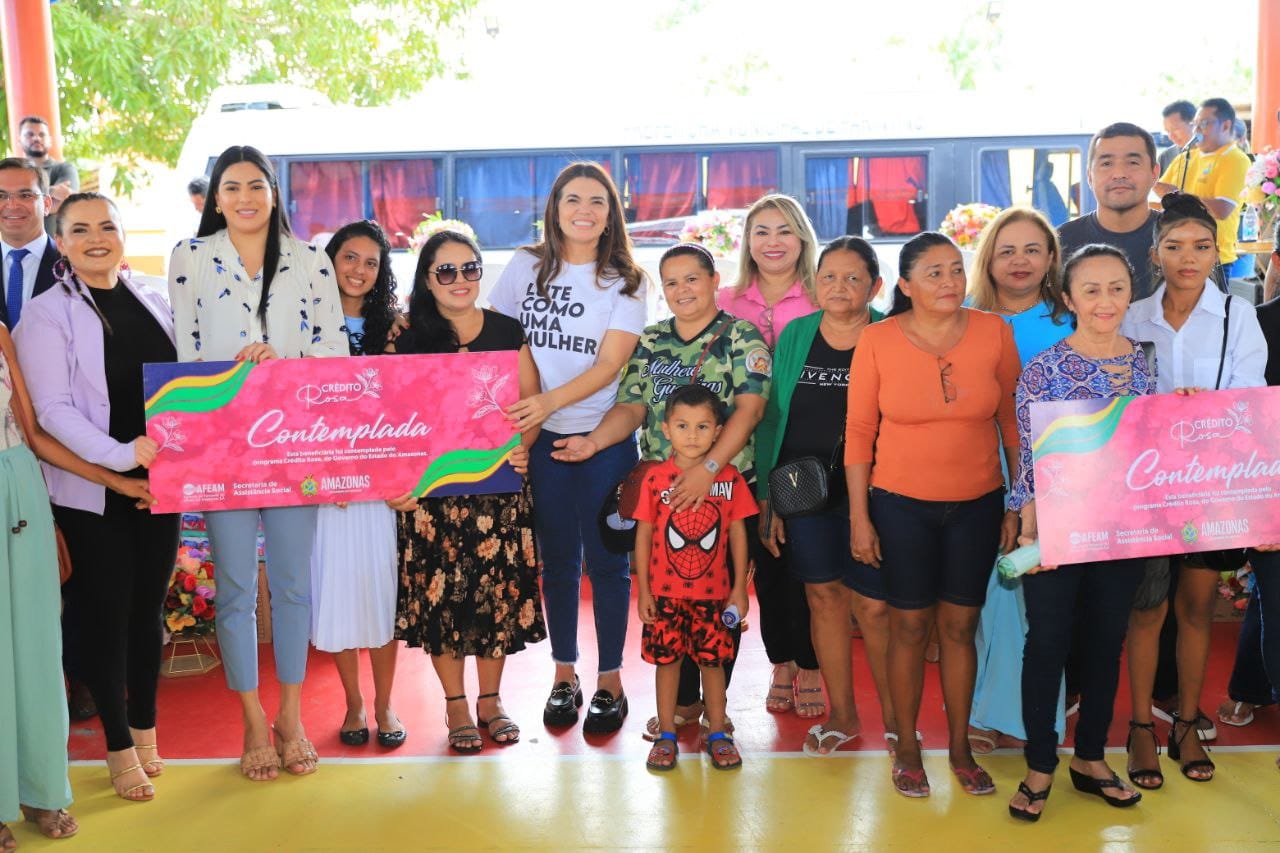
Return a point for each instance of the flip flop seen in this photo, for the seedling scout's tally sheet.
(1234, 718)
(916, 777)
(822, 735)
(975, 781)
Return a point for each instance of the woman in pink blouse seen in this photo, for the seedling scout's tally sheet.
(775, 286)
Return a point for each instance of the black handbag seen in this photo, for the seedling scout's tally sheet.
(1225, 559)
(803, 486)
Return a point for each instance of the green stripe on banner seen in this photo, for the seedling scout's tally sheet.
(201, 398)
(463, 466)
(1086, 439)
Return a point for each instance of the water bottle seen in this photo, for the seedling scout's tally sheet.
(1249, 224)
(730, 616)
(1019, 561)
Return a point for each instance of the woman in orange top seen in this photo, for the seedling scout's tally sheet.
(930, 404)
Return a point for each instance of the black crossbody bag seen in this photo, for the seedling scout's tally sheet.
(803, 486)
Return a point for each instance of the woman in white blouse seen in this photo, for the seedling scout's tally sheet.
(246, 289)
(1204, 340)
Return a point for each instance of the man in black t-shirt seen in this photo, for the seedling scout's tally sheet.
(1122, 171)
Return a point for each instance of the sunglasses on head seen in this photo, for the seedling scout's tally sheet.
(447, 274)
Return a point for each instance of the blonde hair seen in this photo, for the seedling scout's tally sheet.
(793, 213)
(982, 289)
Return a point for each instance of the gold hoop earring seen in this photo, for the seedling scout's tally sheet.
(217, 209)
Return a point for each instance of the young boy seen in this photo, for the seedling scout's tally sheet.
(686, 579)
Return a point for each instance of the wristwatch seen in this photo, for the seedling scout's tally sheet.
(711, 465)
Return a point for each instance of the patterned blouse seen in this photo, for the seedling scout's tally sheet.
(10, 435)
(1061, 373)
(215, 301)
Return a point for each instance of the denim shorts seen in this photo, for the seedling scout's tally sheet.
(818, 552)
(935, 551)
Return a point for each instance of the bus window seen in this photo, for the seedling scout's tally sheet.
(403, 192)
(1043, 178)
(660, 186)
(735, 179)
(503, 197)
(873, 196)
(324, 196)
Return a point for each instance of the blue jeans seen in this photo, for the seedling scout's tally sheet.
(290, 533)
(567, 497)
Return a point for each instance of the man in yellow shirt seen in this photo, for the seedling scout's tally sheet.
(1214, 171)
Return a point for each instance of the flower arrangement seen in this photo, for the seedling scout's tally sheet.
(1262, 184)
(1236, 587)
(964, 223)
(718, 230)
(435, 223)
(189, 607)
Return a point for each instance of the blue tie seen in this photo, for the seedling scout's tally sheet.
(13, 298)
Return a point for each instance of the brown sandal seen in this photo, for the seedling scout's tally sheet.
(52, 823)
(296, 752)
(125, 794)
(155, 766)
(259, 758)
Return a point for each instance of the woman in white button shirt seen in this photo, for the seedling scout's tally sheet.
(1185, 318)
(246, 289)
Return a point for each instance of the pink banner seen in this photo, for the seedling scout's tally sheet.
(1147, 476)
(318, 430)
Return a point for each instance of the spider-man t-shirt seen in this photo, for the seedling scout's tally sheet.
(690, 555)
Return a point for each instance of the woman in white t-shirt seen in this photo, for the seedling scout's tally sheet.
(246, 289)
(581, 299)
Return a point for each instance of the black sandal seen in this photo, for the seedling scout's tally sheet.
(510, 731)
(1032, 797)
(1175, 748)
(1136, 776)
(1087, 784)
(459, 740)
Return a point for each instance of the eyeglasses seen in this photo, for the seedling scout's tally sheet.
(948, 387)
(25, 196)
(1201, 124)
(447, 274)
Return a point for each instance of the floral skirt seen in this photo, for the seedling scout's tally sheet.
(469, 576)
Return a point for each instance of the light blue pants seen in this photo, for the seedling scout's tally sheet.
(233, 538)
(33, 702)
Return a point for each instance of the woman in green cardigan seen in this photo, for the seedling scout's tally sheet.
(805, 417)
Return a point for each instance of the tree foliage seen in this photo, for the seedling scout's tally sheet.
(133, 74)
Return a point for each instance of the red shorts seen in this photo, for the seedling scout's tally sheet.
(687, 627)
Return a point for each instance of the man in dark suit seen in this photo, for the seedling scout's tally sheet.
(27, 254)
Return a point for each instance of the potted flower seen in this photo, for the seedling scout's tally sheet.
(720, 231)
(1262, 190)
(189, 613)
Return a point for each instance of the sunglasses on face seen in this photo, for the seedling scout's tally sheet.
(447, 274)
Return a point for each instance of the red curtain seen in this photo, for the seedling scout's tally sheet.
(662, 185)
(894, 184)
(324, 196)
(737, 178)
(403, 191)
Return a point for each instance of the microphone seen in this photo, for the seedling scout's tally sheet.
(1185, 153)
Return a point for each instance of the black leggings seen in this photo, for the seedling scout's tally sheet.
(121, 562)
(1097, 597)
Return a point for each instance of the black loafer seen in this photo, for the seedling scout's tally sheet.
(357, 737)
(391, 740)
(563, 704)
(606, 713)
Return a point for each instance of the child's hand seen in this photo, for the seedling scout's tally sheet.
(738, 598)
(645, 607)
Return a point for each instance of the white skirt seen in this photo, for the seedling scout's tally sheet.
(354, 576)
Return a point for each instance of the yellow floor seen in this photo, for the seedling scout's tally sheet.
(774, 802)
